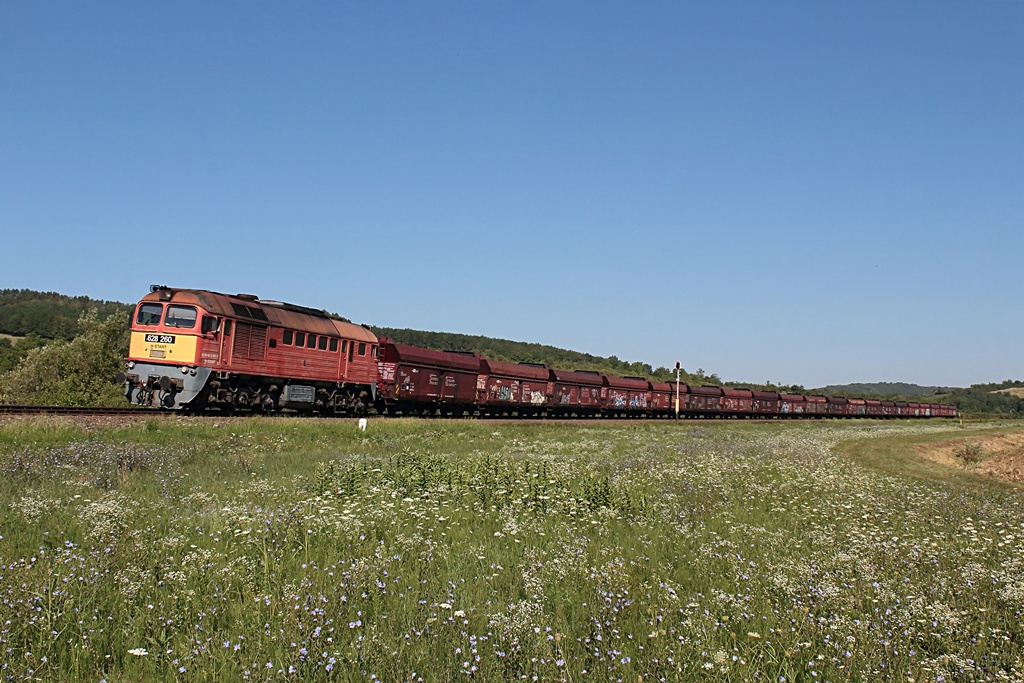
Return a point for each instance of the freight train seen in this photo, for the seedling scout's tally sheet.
(196, 350)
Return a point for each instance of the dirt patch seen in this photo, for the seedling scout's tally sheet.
(996, 455)
(1012, 391)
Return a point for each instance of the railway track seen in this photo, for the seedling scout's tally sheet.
(79, 411)
(138, 412)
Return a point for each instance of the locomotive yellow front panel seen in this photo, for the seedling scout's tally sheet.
(161, 346)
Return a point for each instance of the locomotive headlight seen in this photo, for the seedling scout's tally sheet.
(130, 364)
(184, 369)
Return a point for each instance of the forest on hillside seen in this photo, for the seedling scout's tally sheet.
(987, 399)
(892, 391)
(51, 315)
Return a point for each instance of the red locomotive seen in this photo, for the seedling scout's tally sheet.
(195, 349)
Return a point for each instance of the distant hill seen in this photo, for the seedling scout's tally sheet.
(1005, 398)
(50, 315)
(887, 390)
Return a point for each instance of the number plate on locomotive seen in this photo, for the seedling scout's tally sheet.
(160, 338)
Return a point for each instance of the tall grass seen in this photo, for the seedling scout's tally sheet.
(422, 550)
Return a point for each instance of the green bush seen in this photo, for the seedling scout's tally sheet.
(969, 452)
(12, 351)
(76, 373)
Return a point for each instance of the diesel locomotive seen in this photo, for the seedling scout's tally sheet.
(194, 350)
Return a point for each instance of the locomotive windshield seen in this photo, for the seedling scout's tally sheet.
(180, 316)
(149, 314)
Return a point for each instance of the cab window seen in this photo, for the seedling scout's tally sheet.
(180, 316)
(149, 314)
(288, 337)
(311, 341)
(362, 348)
(334, 345)
(300, 338)
(322, 343)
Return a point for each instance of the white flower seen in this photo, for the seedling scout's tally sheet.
(138, 652)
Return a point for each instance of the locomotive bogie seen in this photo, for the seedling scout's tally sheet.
(162, 386)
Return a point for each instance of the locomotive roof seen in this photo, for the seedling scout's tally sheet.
(249, 307)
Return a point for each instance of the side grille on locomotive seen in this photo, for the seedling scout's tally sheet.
(250, 342)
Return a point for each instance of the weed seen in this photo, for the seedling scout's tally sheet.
(969, 452)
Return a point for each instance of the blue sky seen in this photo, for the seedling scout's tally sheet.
(801, 192)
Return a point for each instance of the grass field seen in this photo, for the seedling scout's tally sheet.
(271, 549)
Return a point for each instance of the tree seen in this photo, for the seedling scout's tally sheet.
(11, 353)
(76, 373)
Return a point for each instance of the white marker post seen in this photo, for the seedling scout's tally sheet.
(677, 390)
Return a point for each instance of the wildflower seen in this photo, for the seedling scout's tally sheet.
(753, 634)
(138, 652)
